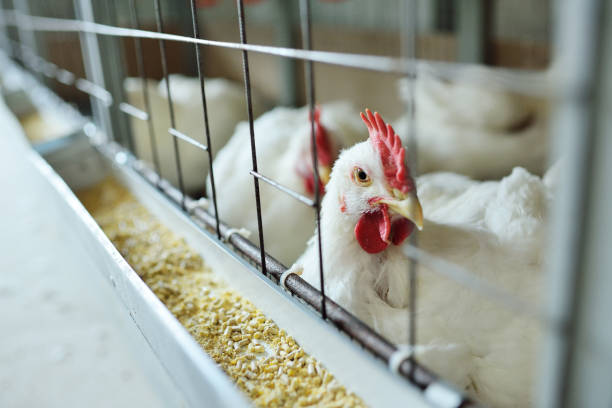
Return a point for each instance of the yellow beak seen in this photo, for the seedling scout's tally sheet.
(406, 205)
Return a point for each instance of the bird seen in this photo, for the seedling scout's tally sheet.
(471, 129)
(226, 106)
(494, 229)
(284, 154)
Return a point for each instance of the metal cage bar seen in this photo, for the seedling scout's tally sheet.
(196, 34)
(164, 63)
(247, 90)
(408, 41)
(140, 64)
(180, 135)
(114, 72)
(133, 111)
(300, 197)
(583, 50)
(306, 24)
(94, 85)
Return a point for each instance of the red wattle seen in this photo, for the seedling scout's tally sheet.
(373, 229)
(400, 230)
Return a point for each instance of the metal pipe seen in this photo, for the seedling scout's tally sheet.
(536, 83)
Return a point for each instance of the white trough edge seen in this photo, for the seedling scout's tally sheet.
(194, 373)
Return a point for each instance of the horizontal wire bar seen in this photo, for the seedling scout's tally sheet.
(187, 139)
(94, 90)
(39, 64)
(133, 111)
(65, 77)
(527, 82)
(284, 189)
(49, 69)
(469, 280)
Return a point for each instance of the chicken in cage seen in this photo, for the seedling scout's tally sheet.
(309, 203)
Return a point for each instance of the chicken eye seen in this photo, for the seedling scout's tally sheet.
(360, 177)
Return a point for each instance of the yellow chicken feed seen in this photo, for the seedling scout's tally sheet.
(266, 363)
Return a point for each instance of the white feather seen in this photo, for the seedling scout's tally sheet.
(494, 229)
(474, 130)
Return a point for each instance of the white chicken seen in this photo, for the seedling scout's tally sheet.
(474, 130)
(283, 141)
(493, 229)
(226, 105)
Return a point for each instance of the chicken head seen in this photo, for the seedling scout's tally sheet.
(375, 189)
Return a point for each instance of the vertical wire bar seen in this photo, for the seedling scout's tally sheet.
(135, 23)
(122, 127)
(578, 49)
(8, 30)
(196, 34)
(26, 34)
(16, 43)
(287, 38)
(307, 39)
(92, 63)
(162, 50)
(408, 41)
(4, 38)
(247, 89)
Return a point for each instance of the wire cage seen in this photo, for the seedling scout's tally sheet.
(84, 50)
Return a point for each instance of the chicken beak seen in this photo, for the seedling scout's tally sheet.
(324, 172)
(406, 205)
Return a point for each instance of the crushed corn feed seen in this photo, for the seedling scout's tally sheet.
(265, 362)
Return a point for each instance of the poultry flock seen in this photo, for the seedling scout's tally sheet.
(479, 211)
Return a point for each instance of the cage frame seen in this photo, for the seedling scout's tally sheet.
(565, 311)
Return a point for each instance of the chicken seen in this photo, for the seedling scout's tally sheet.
(494, 229)
(226, 105)
(283, 140)
(473, 130)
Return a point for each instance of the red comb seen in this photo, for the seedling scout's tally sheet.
(324, 150)
(389, 147)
